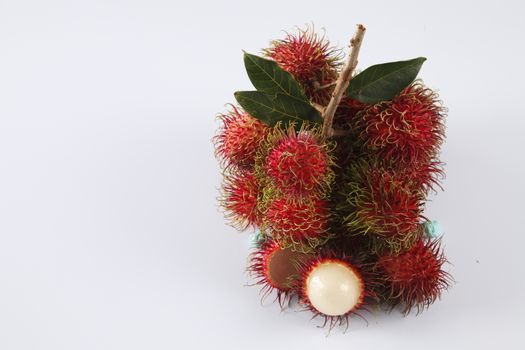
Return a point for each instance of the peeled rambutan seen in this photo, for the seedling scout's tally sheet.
(310, 60)
(407, 129)
(300, 225)
(381, 203)
(298, 164)
(276, 269)
(240, 193)
(239, 137)
(334, 288)
(414, 278)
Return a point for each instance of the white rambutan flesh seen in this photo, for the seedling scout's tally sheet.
(334, 289)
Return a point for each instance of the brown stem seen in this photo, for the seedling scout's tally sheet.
(320, 108)
(320, 87)
(342, 81)
(337, 133)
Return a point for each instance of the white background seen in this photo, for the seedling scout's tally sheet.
(110, 235)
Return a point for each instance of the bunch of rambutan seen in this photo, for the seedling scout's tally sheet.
(332, 169)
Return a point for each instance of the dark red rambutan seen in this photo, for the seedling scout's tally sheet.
(347, 111)
(239, 137)
(295, 223)
(407, 129)
(298, 164)
(276, 269)
(414, 278)
(335, 288)
(240, 193)
(381, 203)
(310, 60)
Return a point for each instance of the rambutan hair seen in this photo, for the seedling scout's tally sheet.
(239, 198)
(409, 128)
(276, 269)
(311, 60)
(382, 204)
(300, 225)
(239, 138)
(296, 164)
(362, 270)
(414, 278)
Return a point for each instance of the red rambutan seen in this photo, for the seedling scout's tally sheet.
(347, 110)
(415, 278)
(240, 198)
(334, 288)
(310, 60)
(294, 223)
(407, 129)
(239, 137)
(381, 203)
(276, 269)
(298, 164)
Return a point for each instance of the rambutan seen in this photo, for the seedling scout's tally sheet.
(239, 137)
(382, 204)
(240, 193)
(336, 196)
(407, 129)
(414, 278)
(334, 288)
(276, 269)
(310, 60)
(297, 164)
(421, 176)
(347, 111)
(299, 225)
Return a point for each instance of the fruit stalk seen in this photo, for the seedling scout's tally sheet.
(342, 81)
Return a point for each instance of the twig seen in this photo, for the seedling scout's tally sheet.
(337, 133)
(342, 81)
(320, 108)
(320, 87)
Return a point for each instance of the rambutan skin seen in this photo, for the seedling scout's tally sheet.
(239, 138)
(239, 199)
(276, 269)
(298, 164)
(408, 129)
(297, 224)
(415, 277)
(310, 60)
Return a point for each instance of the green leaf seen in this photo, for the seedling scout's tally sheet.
(273, 108)
(267, 76)
(382, 82)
